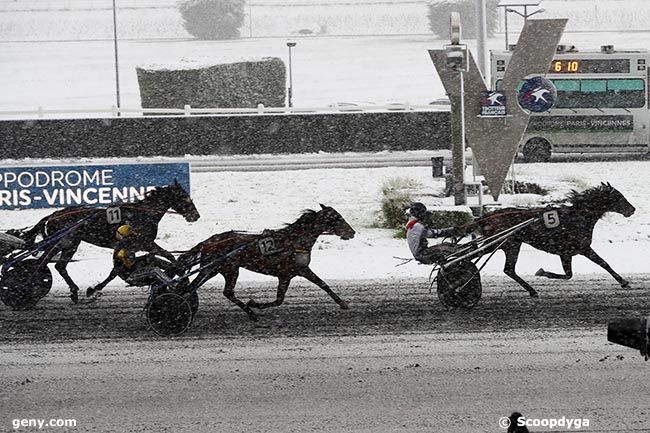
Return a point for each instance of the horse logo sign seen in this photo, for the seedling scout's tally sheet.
(493, 103)
(537, 94)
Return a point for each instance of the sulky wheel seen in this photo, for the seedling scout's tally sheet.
(459, 285)
(192, 298)
(169, 314)
(24, 284)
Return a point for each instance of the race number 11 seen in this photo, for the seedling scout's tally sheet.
(551, 219)
(113, 215)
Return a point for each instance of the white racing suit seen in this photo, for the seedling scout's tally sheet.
(416, 236)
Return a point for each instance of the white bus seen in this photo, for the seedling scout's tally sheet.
(602, 103)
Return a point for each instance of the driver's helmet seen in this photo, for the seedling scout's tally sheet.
(123, 231)
(417, 210)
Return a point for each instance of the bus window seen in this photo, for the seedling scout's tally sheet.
(567, 85)
(633, 84)
(593, 85)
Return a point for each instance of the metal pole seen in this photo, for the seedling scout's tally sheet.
(250, 18)
(481, 36)
(505, 19)
(290, 90)
(290, 79)
(117, 69)
(459, 163)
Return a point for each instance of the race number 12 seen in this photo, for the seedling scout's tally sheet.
(113, 215)
(551, 219)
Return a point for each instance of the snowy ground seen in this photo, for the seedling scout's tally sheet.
(258, 200)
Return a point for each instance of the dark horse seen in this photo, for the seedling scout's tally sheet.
(284, 253)
(143, 215)
(565, 231)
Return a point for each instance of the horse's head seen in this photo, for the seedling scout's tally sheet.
(614, 201)
(180, 201)
(334, 223)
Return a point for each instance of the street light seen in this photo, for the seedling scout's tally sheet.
(290, 90)
(117, 73)
(507, 7)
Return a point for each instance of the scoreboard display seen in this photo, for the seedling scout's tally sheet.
(590, 66)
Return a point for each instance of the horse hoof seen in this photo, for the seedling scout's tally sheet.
(344, 305)
(540, 272)
(253, 317)
(625, 284)
(75, 297)
(252, 304)
(89, 292)
(534, 295)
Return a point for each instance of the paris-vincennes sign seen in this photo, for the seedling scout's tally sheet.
(85, 185)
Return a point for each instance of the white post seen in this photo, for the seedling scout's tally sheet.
(481, 36)
(117, 69)
(187, 109)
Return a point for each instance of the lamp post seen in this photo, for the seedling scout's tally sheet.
(507, 6)
(290, 89)
(117, 73)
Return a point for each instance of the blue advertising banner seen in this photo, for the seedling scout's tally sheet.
(85, 185)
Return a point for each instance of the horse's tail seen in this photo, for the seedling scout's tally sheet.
(30, 235)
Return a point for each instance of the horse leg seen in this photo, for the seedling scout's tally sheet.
(230, 276)
(512, 253)
(90, 291)
(60, 266)
(566, 265)
(312, 277)
(591, 255)
(283, 285)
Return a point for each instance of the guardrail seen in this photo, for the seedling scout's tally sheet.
(187, 110)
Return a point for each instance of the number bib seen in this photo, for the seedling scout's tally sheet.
(551, 219)
(267, 246)
(113, 215)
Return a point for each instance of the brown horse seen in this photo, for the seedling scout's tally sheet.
(563, 230)
(283, 253)
(98, 229)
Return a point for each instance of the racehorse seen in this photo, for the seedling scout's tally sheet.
(564, 230)
(97, 225)
(283, 253)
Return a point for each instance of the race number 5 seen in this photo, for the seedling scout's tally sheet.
(551, 219)
(113, 215)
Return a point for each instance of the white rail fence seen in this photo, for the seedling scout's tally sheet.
(51, 20)
(187, 110)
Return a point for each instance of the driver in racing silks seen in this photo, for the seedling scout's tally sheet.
(417, 232)
(132, 268)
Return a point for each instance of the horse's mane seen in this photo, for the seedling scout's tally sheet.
(591, 197)
(306, 217)
(156, 191)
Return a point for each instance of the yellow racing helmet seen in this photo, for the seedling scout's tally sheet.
(123, 231)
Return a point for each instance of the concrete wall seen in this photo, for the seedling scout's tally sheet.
(224, 135)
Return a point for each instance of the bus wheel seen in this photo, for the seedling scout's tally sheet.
(537, 150)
